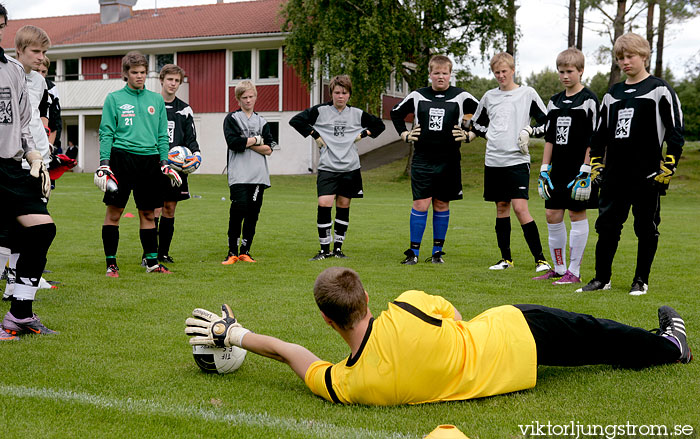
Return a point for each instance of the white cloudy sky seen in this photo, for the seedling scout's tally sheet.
(543, 25)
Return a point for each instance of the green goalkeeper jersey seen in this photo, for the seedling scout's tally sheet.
(134, 121)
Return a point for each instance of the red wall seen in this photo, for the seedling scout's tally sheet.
(295, 95)
(91, 67)
(268, 98)
(206, 75)
(388, 103)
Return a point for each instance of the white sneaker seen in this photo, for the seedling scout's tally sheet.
(638, 287)
(502, 265)
(542, 265)
(44, 284)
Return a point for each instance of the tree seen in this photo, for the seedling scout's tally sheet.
(370, 39)
(670, 11)
(599, 84)
(546, 83)
(475, 85)
(572, 23)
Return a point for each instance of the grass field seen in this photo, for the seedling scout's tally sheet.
(121, 365)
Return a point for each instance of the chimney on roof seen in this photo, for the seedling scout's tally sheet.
(114, 11)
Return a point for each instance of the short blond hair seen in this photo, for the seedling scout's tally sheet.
(31, 35)
(571, 57)
(634, 44)
(439, 60)
(503, 57)
(172, 69)
(46, 62)
(243, 87)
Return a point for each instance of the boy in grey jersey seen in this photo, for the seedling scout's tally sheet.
(23, 192)
(249, 143)
(336, 127)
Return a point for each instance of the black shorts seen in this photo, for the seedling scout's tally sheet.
(174, 193)
(20, 193)
(506, 183)
(561, 200)
(439, 180)
(346, 184)
(247, 195)
(138, 173)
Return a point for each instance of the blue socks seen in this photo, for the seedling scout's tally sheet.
(417, 227)
(440, 222)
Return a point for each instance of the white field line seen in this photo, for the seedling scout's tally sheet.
(308, 427)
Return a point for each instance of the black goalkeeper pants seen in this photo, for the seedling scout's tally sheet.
(566, 338)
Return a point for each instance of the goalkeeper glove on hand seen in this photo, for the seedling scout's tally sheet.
(410, 136)
(104, 179)
(175, 179)
(462, 135)
(524, 139)
(174, 159)
(206, 328)
(362, 135)
(597, 168)
(581, 185)
(544, 183)
(662, 177)
(318, 139)
(258, 140)
(192, 163)
(38, 170)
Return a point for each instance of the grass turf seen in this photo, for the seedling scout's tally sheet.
(121, 365)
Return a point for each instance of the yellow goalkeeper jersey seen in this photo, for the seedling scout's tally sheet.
(415, 352)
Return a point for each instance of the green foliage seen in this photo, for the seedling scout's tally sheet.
(475, 85)
(370, 39)
(688, 92)
(546, 83)
(599, 84)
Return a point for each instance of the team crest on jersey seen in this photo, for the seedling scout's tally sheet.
(151, 110)
(437, 115)
(624, 122)
(563, 126)
(339, 128)
(5, 105)
(171, 130)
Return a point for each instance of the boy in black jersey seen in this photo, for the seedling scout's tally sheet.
(181, 132)
(436, 175)
(564, 181)
(636, 117)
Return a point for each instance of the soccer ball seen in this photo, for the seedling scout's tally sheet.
(218, 360)
(177, 156)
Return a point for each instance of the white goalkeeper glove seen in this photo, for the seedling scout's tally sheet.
(581, 185)
(192, 163)
(318, 139)
(258, 140)
(175, 179)
(38, 170)
(461, 135)
(524, 139)
(206, 328)
(362, 135)
(104, 178)
(410, 136)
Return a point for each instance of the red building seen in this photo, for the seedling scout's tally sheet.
(217, 45)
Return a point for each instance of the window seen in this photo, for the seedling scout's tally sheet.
(52, 71)
(268, 65)
(398, 84)
(71, 69)
(241, 65)
(163, 59)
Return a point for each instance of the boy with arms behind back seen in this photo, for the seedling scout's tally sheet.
(564, 181)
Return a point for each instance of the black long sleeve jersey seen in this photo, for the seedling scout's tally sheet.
(633, 123)
(571, 122)
(437, 112)
(181, 130)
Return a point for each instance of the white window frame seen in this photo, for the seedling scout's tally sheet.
(254, 67)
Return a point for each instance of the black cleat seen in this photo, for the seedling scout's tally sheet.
(321, 255)
(436, 258)
(672, 325)
(338, 253)
(594, 285)
(411, 258)
(165, 258)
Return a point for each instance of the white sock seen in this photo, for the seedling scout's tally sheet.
(557, 246)
(4, 257)
(577, 239)
(13, 260)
